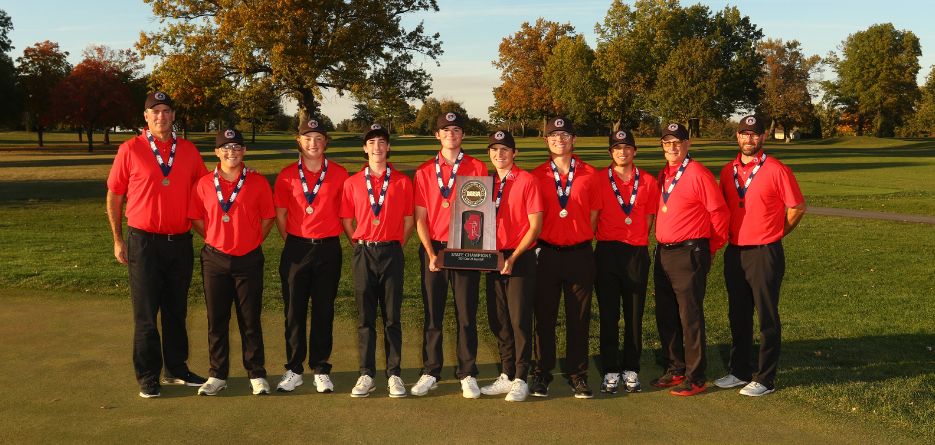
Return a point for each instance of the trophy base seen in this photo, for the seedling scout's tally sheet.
(472, 259)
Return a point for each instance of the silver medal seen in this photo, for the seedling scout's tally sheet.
(309, 210)
(225, 218)
(563, 213)
(628, 221)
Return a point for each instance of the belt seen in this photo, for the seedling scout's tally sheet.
(756, 246)
(315, 240)
(161, 236)
(366, 243)
(581, 245)
(686, 243)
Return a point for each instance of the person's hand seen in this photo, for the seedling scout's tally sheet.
(507, 267)
(120, 251)
(433, 264)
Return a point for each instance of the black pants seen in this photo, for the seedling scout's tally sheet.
(622, 274)
(466, 286)
(509, 311)
(753, 276)
(378, 282)
(681, 275)
(236, 280)
(160, 270)
(571, 272)
(309, 271)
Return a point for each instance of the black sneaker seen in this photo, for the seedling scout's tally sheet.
(187, 379)
(149, 390)
(539, 387)
(582, 390)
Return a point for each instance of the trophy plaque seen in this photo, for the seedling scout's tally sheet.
(472, 233)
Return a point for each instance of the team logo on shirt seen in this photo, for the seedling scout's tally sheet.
(376, 127)
(313, 124)
(499, 135)
(673, 127)
(160, 95)
(450, 117)
(229, 134)
(621, 135)
(473, 193)
(559, 123)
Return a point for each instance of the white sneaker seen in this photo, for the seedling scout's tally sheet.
(518, 391)
(323, 383)
(755, 389)
(422, 387)
(729, 381)
(212, 387)
(469, 388)
(364, 387)
(632, 380)
(500, 386)
(396, 387)
(611, 383)
(289, 382)
(260, 386)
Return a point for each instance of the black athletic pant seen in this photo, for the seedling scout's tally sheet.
(622, 274)
(236, 280)
(753, 275)
(568, 269)
(681, 275)
(509, 311)
(378, 283)
(160, 269)
(309, 270)
(465, 286)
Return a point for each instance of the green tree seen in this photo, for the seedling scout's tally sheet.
(8, 91)
(193, 86)
(303, 46)
(40, 68)
(785, 82)
(922, 120)
(570, 75)
(876, 82)
(256, 104)
(688, 83)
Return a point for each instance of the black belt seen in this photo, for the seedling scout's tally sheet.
(703, 242)
(581, 245)
(366, 243)
(756, 246)
(161, 236)
(329, 239)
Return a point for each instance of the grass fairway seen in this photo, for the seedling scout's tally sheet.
(82, 390)
(857, 364)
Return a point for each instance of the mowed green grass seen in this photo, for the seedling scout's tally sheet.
(858, 332)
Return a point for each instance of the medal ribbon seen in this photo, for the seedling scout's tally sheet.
(627, 208)
(310, 196)
(446, 189)
(742, 191)
(563, 194)
(374, 205)
(500, 190)
(225, 206)
(165, 167)
(678, 175)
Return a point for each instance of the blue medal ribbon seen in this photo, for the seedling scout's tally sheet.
(563, 194)
(166, 167)
(678, 175)
(446, 189)
(500, 190)
(626, 207)
(310, 196)
(375, 205)
(742, 191)
(226, 205)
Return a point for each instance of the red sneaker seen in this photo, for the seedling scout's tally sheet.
(687, 389)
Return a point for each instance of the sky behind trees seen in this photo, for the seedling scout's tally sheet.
(472, 31)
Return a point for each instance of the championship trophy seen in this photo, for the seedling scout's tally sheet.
(472, 233)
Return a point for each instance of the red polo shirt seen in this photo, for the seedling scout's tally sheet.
(762, 219)
(520, 199)
(243, 232)
(397, 205)
(576, 227)
(324, 221)
(151, 206)
(696, 208)
(611, 224)
(428, 195)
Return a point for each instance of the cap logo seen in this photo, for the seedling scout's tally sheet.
(313, 124)
(673, 127)
(621, 135)
(229, 134)
(750, 120)
(499, 135)
(160, 95)
(376, 127)
(450, 117)
(559, 123)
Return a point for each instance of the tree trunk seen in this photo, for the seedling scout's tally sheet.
(308, 106)
(253, 132)
(786, 137)
(694, 127)
(107, 136)
(772, 130)
(90, 140)
(40, 131)
(80, 135)
(860, 125)
(522, 127)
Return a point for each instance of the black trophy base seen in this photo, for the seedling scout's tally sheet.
(472, 259)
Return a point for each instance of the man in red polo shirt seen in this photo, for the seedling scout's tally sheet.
(233, 210)
(307, 199)
(510, 291)
(379, 200)
(153, 175)
(565, 258)
(435, 183)
(765, 204)
(691, 225)
(627, 204)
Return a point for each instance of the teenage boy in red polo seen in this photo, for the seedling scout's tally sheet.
(153, 175)
(566, 261)
(376, 212)
(233, 210)
(510, 291)
(435, 183)
(307, 199)
(765, 204)
(691, 225)
(628, 197)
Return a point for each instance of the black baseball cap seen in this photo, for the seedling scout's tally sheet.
(501, 137)
(621, 137)
(559, 123)
(751, 123)
(675, 129)
(448, 119)
(375, 130)
(313, 124)
(227, 136)
(158, 98)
